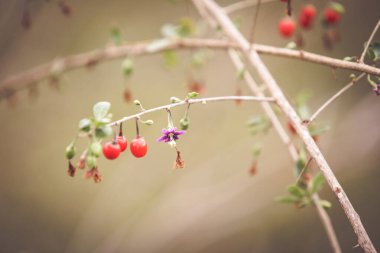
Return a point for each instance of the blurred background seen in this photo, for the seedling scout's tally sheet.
(143, 205)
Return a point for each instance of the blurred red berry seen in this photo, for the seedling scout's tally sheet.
(307, 16)
(331, 16)
(286, 27)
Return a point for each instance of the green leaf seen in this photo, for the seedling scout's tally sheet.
(241, 73)
(317, 183)
(148, 122)
(175, 100)
(96, 149)
(316, 130)
(256, 150)
(296, 191)
(198, 58)
(337, 7)
(170, 58)
(101, 109)
(116, 35)
(325, 204)
(258, 124)
(85, 125)
(192, 94)
(287, 199)
(373, 51)
(237, 22)
(103, 131)
(186, 27)
(127, 67)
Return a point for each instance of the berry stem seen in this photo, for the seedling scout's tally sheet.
(137, 128)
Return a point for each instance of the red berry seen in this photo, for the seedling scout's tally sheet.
(307, 15)
(331, 16)
(286, 27)
(111, 150)
(139, 147)
(123, 143)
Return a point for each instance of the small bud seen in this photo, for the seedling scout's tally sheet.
(137, 102)
(352, 76)
(70, 151)
(71, 170)
(148, 122)
(192, 94)
(91, 161)
(96, 149)
(179, 163)
(174, 100)
(184, 123)
(81, 162)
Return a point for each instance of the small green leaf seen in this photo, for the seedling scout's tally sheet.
(96, 149)
(85, 125)
(258, 124)
(70, 151)
(192, 94)
(186, 27)
(256, 150)
(287, 199)
(316, 130)
(170, 58)
(127, 67)
(337, 7)
(300, 164)
(317, 183)
(101, 109)
(103, 131)
(198, 58)
(296, 191)
(241, 73)
(373, 51)
(325, 204)
(237, 22)
(137, 102)
(148, 122)
(116, 35)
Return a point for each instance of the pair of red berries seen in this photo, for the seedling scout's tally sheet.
(287, 25)
(112, 149)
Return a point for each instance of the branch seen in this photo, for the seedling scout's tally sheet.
(91, 58)
(361, 60)
(230, 30)
(332, 99)
(192, 101)
(243, 5)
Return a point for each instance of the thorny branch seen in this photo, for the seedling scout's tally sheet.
(89, 59)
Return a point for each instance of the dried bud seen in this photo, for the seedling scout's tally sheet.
(127, 95)
(65, 8)
(26, 21)
(179, 163)
(71, 170)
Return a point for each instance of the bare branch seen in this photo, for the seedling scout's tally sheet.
(230, 30)
(243, 5)
(255, 17)
(192, 101)
(332, 99)
(91, 58)
(361, 60)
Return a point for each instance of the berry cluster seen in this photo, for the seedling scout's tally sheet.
(330, 18)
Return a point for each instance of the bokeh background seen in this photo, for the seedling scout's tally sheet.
(143, 205)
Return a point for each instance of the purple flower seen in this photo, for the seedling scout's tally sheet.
(170, 134)
(377, 89)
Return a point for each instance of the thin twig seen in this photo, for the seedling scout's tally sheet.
(329, 227)
(303, 169)
(62, 65)
(255, 17)
(243, 5)
(192, 101)
(332, 99)
(231, 31)
(361, 60)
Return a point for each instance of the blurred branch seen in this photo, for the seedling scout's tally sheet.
(193, 101)
(361, 60)
(230, 30)
(89, 59)
(243, 5)
(332, 99)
